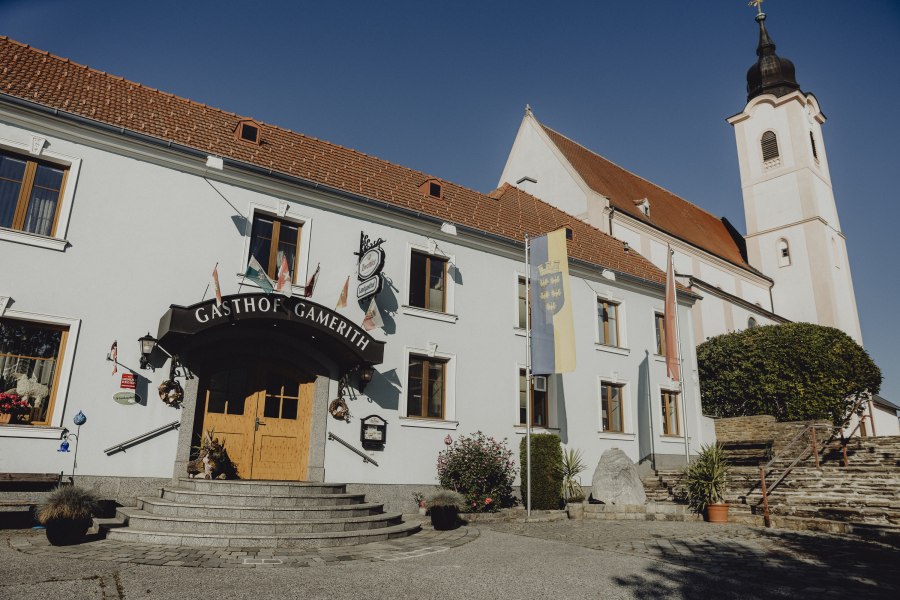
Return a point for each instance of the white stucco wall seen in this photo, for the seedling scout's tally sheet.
(147, 229)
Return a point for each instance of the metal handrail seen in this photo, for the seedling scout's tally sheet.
(766, 490)
(142, 438)
(366, 459)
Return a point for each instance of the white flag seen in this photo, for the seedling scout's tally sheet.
(283, 284)
(373, 317)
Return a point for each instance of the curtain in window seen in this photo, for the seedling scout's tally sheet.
(11, 173)
(44, 197)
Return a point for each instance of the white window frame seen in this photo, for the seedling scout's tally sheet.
(449, 421)
(448, 315)
(301, 269)
(653, 313)
(627, 432)
(783, 261)
(66, 360)
(517, 276)
(621, 311)
(552, 425)
(73, 164)
(680, 415)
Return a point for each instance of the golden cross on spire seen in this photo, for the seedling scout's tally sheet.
(757, 4)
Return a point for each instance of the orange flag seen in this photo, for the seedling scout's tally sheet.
(671, 328)
(342, 299)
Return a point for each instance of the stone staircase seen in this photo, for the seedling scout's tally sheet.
(257, 514)
(862, 496)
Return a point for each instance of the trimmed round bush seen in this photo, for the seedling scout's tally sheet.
(546, 471)
(481, 469)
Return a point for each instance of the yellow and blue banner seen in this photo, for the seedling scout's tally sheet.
(552, 331)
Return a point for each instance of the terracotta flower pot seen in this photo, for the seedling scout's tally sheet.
(66, 532)
(717, 513)
(444, 517)
(5, 418)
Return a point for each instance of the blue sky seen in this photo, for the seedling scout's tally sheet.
(441, 87)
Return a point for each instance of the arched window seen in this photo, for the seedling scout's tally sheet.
(812, 142)
(769, 144)
(751, 323)
(784, 253)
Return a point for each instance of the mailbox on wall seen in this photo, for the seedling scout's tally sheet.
(373, 432)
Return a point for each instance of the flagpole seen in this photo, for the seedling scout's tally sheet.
(687, 447)
(527, 381)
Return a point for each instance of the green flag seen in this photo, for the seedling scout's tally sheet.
(256, 273)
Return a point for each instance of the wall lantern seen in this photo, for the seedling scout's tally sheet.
(148, 344)
(366, 373)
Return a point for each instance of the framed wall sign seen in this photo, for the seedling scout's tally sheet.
(373, 432)
(370, 263)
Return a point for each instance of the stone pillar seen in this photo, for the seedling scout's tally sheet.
(186, 429)
(315, 464)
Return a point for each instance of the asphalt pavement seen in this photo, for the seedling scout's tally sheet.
(560, 560)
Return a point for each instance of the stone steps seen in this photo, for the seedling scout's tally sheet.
(140, 519)
(258, 514)
(651, 511)
(180, 496)
(308, 540)
(173, 509)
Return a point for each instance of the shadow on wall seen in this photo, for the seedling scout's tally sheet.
(562, 419)
(797, 565)
(645, 414)
(387, 305)
(384, 390)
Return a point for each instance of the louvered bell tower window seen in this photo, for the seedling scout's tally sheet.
(769, 146)
(812, 142)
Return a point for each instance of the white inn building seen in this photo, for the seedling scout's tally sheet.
(116, 203)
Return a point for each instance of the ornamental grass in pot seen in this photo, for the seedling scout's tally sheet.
(66, 513)
(444, 507)
(707, 479)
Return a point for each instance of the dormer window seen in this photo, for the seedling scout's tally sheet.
(432, 188)
(643, 205)
(248, 131)
(570, 235)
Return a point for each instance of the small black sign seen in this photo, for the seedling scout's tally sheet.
(373, 432)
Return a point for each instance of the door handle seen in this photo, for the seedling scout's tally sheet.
(258, 424)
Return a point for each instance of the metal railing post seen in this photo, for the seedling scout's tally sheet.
(815, 447)
(765, 497)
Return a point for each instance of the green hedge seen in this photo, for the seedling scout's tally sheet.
(546, 474)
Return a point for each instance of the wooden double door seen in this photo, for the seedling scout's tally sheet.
(263, 416)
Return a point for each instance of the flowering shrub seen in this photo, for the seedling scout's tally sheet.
(13, 404)
(481, 469)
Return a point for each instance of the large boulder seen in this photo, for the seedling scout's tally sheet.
(616, 480)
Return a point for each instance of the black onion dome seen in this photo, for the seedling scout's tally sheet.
(771, 74)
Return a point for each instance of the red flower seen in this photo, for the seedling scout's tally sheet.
(487, 500)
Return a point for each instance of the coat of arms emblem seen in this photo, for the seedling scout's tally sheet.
(550, 287)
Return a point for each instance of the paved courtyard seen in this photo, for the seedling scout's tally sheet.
(567, 559)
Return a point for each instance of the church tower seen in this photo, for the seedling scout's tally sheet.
(793, 232)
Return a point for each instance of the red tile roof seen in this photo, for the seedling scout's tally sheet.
(668, 212)
(55, 82)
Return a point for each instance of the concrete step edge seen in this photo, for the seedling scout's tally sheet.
(131, 513)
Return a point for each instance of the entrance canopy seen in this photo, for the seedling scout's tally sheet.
(288, 323)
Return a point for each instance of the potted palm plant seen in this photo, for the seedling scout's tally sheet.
(67, 513)
(444, 507)
(707, 479)
(572, 492)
